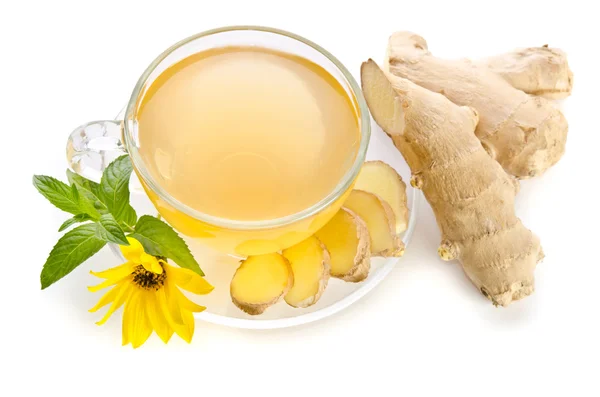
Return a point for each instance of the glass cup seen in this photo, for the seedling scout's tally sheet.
(92, 146)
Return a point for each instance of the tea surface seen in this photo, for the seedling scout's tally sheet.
(247, 133)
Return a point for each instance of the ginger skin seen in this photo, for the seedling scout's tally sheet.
(384, 181)
(540, 71)
(525, 134)
(311, 265)
(260, 282)
(471, 195)
(347, 240)
(380, 220)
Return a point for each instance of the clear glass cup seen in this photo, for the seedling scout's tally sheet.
(92, 146)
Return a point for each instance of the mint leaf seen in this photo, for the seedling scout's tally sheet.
(129, 219)
(108, 229)
(89, 203)
(76, 179)
(76, 219)
(114, 190)
(74, 199)
(58, 193)
(74, 248)
(75, 193)
(159, 239)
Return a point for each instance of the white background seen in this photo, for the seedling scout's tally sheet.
(424, 331)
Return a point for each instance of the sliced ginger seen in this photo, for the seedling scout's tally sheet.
(310, 263)
(381, 179)
(380, 221)
(347, 240)
(260, 282)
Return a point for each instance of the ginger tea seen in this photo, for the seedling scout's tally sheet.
(247, 133)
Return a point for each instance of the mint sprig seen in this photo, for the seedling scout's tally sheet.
(109, 215)
(72, 250)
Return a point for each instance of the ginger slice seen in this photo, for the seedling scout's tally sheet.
(310, 263)
(472, 197)
(347, 239)
(380, 220)
(382, 179)
(260, 282)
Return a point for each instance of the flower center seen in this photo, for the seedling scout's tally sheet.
(148, 280)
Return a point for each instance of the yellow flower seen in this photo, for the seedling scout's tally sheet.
(149, 288)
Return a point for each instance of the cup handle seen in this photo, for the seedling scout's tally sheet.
(91, 147)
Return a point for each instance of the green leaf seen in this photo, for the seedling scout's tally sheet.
(89, 203)
(159, 239)
(76, 219)
(74, 199)
(58, 193)
(74, 248)
(108, 229)
(76, 179)
(75, 193)
(89, 195)
(114, 190)
(129, 220)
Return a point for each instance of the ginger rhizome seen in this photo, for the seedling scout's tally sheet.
(525, 134)
(347, 239)
(260, 282)
(384, 181)
(472, 197)
(540, 71)
(311, 264)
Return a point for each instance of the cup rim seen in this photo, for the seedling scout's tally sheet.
(343, 185)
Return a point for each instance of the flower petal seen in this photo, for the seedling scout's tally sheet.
(102, 285)
(188, 280)
(106, 299)
(140, 328)
(117, 272)
(170, 305)
(186, 330)
(187, 304)
(171, 332)
(124, 293)
(161, 301)
(150, 263)
(127, 315)
(156, 316)
(132, 251)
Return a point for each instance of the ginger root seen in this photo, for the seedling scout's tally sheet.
(347, 240)
(540, 71)
(525, 134)
(380, 220)
(382, 180)
(260, 282)
(472, 197)
(310, 263)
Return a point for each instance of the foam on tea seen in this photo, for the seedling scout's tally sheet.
(247, 133)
